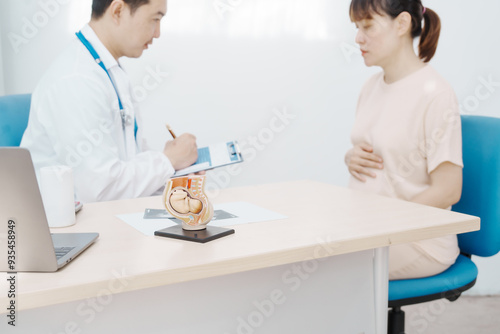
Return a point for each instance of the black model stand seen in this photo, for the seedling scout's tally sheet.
(202, 236)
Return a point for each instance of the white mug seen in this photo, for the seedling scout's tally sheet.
(56, 187)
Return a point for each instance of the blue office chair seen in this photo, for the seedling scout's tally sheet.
(14, 114)
(480, 197)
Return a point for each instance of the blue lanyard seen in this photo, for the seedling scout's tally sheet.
(98, 60)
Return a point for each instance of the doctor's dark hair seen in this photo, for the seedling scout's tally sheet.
(429, 33)
(99, 7)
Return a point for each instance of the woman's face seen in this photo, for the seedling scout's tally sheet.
(378, 39)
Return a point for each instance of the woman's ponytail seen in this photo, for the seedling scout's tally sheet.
(430, 35)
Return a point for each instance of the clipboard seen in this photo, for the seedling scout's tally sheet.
(213, 156)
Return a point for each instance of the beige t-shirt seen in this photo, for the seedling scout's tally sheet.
(414, 125)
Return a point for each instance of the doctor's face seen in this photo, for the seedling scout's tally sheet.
(141, 27)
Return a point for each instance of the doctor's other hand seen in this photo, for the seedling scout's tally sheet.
(360, 159)
(182, 151)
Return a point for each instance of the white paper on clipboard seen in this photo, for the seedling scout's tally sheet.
(213, 156)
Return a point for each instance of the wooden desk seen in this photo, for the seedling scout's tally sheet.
(330, 233)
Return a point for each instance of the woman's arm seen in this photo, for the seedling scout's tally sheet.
(445, 189)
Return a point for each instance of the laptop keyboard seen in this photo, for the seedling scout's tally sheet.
(61, 251)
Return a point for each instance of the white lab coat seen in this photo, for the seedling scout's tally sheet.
(75, 121)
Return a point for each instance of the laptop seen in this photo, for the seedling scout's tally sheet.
(26, 243)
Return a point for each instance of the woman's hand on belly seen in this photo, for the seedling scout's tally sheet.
(360, 160)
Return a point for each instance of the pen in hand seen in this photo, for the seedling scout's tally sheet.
(170, 130)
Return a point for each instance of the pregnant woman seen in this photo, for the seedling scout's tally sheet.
(406, 138)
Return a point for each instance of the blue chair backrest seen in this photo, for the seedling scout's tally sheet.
(481, 187)
(14, 115)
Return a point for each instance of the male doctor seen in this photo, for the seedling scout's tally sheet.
(83, 113)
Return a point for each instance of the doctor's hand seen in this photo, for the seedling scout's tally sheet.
(182, 151)
(360, 159)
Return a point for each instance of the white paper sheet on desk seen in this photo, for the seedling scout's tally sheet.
(245, 212)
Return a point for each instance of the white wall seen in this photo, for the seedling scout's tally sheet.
(33, 32)
(226, 77)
